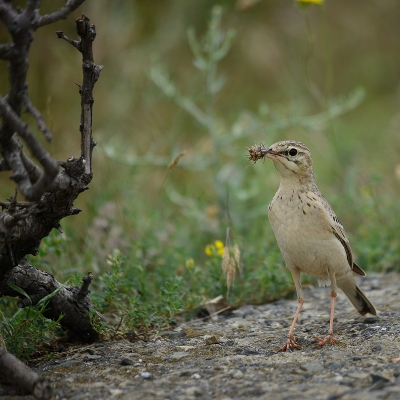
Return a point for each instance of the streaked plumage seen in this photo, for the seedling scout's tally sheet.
(309, 235)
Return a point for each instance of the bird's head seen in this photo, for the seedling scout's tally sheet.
(292, 159)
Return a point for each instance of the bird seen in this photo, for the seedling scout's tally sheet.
(309, 235)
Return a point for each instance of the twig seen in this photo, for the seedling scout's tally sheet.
(91, 73)
(41, 124)
(172, 164)
(75, 43)
(19, 204)
(84, 289)
(35, 191)
(62, 13)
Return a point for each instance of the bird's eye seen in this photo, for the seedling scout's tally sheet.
(292, 152)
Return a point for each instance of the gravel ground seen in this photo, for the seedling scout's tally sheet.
(234, 356)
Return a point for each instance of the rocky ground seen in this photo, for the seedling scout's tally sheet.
(234, 355)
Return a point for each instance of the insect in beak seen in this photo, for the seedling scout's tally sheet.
(270, 153)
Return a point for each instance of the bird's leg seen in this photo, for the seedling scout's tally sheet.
(329, 337)
(290, 343)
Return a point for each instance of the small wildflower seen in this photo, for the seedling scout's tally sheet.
(215, 249)
(189, 264)
(209, 249)
(219, 245)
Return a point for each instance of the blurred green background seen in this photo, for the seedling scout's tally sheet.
(248, 71)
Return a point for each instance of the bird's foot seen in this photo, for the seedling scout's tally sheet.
(290, 345)
(327, 339)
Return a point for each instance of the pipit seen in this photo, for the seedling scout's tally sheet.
(309, 235)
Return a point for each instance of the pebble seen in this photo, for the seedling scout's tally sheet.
(145, 375)
(194, 391)
(313, 367)
(357, 375)
(178, 355)
(91, 357)
(127, 361)
(69, 363)
(177, 335)
(334, 365)
(185, 348)
(211, 339)
(238, 374)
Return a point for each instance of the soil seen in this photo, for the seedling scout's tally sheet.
(234, 355)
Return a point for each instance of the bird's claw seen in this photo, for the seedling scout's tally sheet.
(290, 344)
(327, 339)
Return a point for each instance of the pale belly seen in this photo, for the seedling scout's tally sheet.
(306, 240)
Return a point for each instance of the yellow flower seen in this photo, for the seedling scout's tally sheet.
(209, 249)
(189, 264)
(310, 1)
(219, 247)
(215, 249)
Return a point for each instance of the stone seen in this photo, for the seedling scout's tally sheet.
(312, 367)
(127, 361)
(185, 348)
(91, 357)
(145, 375)
(211, 339)
(334, 365)
(178, 355)
(194, 391)
(357, 374)
(69, 363)
(177, 335)
(378, 378)
(238, 374)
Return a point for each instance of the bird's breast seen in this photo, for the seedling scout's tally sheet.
(304, 234)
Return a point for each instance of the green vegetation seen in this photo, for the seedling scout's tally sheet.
(27, 329)
(174, 115)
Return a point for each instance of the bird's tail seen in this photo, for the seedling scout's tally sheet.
(356, 296)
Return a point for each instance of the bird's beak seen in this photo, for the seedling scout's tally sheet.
(269, 153)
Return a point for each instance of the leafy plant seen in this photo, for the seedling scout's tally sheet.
(24, 331)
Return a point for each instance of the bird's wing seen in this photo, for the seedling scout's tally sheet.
(339, 232)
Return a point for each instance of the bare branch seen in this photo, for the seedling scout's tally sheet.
(20, 204)
(75, 43)
(19, 26)
(35, 191)
(62, 13)
(91, 73)
(6, 51)
(32, 9)
(7, 12)
(84, 290)
(32, 169)
(41, 124)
